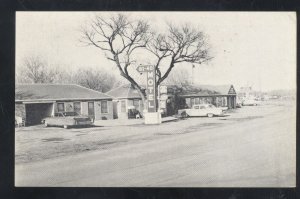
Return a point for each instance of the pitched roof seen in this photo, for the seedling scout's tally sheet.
(31, 92)
(208, 90)
(124, 91)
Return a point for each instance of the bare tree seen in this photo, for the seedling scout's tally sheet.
(180, 44)
(94, 79)
(119, 38)
(35, 70)
(179, 77)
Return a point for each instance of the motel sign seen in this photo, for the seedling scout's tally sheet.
(151, 81)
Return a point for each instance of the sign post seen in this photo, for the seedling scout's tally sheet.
(151, 115)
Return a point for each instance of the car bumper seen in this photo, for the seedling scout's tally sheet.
(83, 123)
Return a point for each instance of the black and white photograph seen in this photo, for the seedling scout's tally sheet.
(155, 99)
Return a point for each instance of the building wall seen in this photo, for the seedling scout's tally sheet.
(218, 101)
(84, 108)
(122, 112)
(20, 110)
(99, 115)
(69, 106)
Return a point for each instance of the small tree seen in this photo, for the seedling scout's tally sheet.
(120, 38)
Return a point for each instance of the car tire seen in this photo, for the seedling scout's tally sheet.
(184, 114)
(46, 124)
(210, 115)
(66, 126)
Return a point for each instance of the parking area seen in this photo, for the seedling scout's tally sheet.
(36, 143)
(253, 146)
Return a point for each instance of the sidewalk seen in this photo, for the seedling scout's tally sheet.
(128, 122)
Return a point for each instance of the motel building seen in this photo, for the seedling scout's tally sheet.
(33, 102)
(219, 95)
(125, 98)
(172, 98)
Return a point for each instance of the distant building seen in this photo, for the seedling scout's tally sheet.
(36, 101)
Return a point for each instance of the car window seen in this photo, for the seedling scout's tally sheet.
(196, 107)
(202, 107)
(210, 106)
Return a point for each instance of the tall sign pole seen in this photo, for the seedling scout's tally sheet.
(151, 82)
(151, 91)
(152, 116)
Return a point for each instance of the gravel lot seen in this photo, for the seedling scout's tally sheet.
(190, 152)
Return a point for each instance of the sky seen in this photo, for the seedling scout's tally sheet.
(255, 49)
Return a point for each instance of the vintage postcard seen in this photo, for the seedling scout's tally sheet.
(155, 99)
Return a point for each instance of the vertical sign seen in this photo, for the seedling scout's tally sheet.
(151, 77)
(151, 89)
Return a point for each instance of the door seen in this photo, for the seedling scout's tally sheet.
(115, 110)
(91, 110)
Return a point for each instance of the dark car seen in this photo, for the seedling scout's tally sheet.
(67, 119)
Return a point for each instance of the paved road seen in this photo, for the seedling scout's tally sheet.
(258, 151)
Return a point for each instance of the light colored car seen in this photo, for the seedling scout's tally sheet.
(208, 110)
(67, 119)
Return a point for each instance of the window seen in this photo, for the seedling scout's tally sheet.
(197, 100)
(209, 100)
(196, 107)
(60, 107)
(104, 107)
(201, 101)
(192, 102)
(91, 108)
(123, 106)
(77, 107)
(188, 102)
(202, 107)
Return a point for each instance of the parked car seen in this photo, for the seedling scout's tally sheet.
(67, 119)
(133, 113)
(208, 110)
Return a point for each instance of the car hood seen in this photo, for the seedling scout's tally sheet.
(72, 117)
